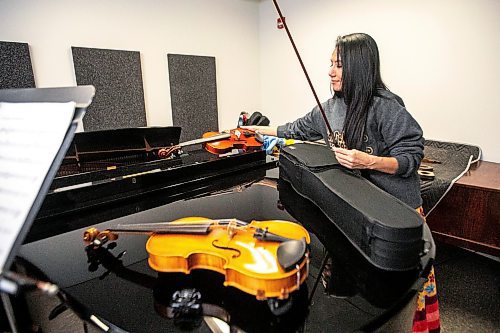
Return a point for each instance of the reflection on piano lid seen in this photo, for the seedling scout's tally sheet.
(104, 208)
(123, 167)
(239, 311)
(145, 300)
(108, 150)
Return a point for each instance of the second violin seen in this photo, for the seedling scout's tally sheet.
(240, 138)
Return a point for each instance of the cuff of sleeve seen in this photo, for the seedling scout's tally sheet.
(403, 165)
(280, 131)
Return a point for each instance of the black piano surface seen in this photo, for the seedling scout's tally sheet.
(124, 293)
(113, 165)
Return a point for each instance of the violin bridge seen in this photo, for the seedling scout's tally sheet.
(232, 228)
(237, 133)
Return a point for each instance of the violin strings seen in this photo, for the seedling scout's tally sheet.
(173, 225)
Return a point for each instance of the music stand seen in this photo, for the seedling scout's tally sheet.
(21, 109)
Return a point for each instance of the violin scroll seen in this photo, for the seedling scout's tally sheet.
(167, 152)
(95, 238)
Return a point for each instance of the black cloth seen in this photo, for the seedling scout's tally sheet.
(455, 159)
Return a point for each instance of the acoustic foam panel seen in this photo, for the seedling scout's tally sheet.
(117, 77)
(15, 66)
(193, 92)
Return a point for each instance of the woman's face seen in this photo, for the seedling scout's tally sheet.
(335, 72)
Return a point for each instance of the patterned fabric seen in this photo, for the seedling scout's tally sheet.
(449, 162)
(426, 318)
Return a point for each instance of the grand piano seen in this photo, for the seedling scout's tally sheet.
(116, 290)
(123, 167)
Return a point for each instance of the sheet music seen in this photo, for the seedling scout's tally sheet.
(31, 134)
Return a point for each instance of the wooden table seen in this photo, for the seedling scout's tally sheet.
(469, 214)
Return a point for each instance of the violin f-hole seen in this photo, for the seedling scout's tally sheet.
(226, 248)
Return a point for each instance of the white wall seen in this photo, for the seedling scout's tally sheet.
(441, 57)
(225, 29)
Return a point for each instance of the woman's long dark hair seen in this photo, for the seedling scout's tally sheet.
(360, 81)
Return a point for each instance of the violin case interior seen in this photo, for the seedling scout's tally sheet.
(385, 230)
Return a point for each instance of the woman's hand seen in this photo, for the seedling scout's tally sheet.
(355, 159)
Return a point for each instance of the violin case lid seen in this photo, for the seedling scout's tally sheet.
(385, 230)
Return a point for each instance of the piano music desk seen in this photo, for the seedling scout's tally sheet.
(469, 214)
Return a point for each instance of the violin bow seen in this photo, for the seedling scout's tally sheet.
(331, 141)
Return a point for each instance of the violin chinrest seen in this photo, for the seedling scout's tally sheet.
(291, 253)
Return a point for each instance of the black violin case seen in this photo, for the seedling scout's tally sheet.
(385, 230)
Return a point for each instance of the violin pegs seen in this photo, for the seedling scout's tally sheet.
(96, 238)
(90, 234)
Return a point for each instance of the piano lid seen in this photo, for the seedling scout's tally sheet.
(368, 293)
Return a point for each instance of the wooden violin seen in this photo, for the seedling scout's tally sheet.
(267, 259)
(240, 138)
(147, 149)
(214, 142)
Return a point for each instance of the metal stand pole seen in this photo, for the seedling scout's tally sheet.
(9, 312)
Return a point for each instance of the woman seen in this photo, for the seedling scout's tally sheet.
(373, 132)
